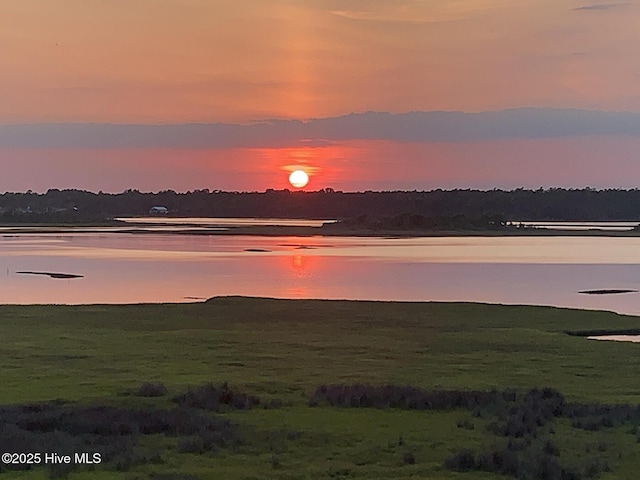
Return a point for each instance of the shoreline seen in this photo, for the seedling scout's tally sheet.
(297, 231)
(356, 301)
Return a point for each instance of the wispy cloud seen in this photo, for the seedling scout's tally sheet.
(601, 6)
(416, 11)
(452, 127)
(395, 17)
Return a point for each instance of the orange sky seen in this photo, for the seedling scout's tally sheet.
(347, 166)
(198, 61)
(172, 61)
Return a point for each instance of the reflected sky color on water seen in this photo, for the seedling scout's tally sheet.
(225, 222)
(617, 338)
(153, 267)
(609, 226)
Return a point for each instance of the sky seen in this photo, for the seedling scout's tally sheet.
(362, 94)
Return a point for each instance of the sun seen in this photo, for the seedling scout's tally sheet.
(298, 178)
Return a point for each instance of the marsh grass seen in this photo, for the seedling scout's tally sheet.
(281, 351)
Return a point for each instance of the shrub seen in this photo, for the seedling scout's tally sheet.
(466, 424)
(408, 458)
(461, 461)
(405, 397)
(110, 431)
(216, 398)
(152, 390)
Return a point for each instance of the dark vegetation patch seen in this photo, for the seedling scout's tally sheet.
(165, 476)
(523, 423)
(152, 390)
(116, 432)
(406, 397)
(602, 332)
(216, 398)
(258, 250)
(172, 476)
(559, 204)
(113, 432)
(594, 417)
(531, 461)
(234, 364)
(609, 291)
(58, 357)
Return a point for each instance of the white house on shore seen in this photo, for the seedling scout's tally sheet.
(158, 210)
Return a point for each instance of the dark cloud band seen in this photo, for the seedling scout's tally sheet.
(404, 127)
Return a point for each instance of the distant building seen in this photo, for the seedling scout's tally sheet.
(158, 211)
(22, 211)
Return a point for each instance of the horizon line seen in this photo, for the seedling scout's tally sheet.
(326, 190)
(304, 121)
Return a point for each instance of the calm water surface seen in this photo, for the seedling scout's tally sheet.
(617, 338)
(160, 267)
(609, 226)
(225, 222)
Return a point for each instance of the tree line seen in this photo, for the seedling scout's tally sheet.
(554, 204)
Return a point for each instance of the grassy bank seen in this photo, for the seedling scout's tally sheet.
(281, 350)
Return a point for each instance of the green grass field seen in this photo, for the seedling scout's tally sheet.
(283, 349)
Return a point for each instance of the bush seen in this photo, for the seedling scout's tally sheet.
(408, 458)
(216, 398)
(461, 461)
(466, 424)
(110, 431)
(152, 390)
(405, 397)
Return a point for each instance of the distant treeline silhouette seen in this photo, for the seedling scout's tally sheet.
(514, 205)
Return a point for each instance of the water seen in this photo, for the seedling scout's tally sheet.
(161, 267)
(606, 226)
(225, 222)
(617, 338)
